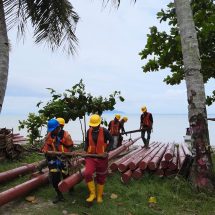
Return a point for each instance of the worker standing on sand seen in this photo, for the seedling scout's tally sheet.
(122, 129)
(114, 128)
(146, 125)
(98, 141)
(57, 141)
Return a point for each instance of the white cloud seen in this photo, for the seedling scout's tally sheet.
(107, 60)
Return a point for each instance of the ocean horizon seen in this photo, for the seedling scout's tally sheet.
(167, 128)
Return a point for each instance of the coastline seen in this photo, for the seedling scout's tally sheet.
(167, 127)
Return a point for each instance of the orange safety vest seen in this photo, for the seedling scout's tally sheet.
(114, 128)
(146, 121)
(65, 142)
(98, 148)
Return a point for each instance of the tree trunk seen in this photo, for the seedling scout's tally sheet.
(85, 127)
(4, 55)
(202, 171)
(82, 131)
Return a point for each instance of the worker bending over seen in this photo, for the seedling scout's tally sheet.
(122, 129)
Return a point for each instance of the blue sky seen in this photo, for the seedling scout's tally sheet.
(107, 60)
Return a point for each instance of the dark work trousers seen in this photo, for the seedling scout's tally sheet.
(98, 166)
(120, 140)
(146, 140)
(56, 178)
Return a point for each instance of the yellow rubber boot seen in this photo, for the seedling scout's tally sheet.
(100, 189)
(92, 189)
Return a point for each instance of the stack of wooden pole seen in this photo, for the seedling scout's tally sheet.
(161, 159)
(76, 178)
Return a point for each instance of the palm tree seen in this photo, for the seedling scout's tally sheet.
(197, 114)
(202, 171)
(54, 22)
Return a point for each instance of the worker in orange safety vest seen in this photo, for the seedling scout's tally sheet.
(122, 129)
(98, 141)
(114, 128)
(57, 140)
(146, 125)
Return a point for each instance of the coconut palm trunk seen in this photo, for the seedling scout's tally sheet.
(4, 55)
(202, 169)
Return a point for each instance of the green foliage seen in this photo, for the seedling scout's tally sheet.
(34, 125)
(211, 99)
(54, 21)
(74, 103)
(164, 48)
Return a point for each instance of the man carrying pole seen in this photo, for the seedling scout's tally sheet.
(114, 128)
(122, 129)
(57, 141)
(98, 141)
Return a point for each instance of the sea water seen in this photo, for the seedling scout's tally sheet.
(166, 128)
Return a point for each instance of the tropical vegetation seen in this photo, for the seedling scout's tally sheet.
(74, 103)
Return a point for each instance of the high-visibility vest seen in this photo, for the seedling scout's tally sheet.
(50, 143)
(146, 121)
(114, 128)
(100, 146)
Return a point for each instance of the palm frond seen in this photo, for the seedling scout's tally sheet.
(54, 21)
(114, 2)
(15, 15)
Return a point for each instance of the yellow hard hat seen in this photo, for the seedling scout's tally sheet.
(125, 118)
(152, 199)
(143, 109)
(95, 120)
(118, 116)
(61, 121)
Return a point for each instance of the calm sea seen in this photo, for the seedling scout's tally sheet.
(167, 128)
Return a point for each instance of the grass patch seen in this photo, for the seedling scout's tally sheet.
(174, 197)
(9, 164)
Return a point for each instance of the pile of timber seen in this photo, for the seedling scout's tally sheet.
(160, 159)
(41, 178)
(8, 147)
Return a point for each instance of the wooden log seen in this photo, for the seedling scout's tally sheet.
(154, 162)
(169, 152)
(126, 176)
(144, 163)
(137, 173)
